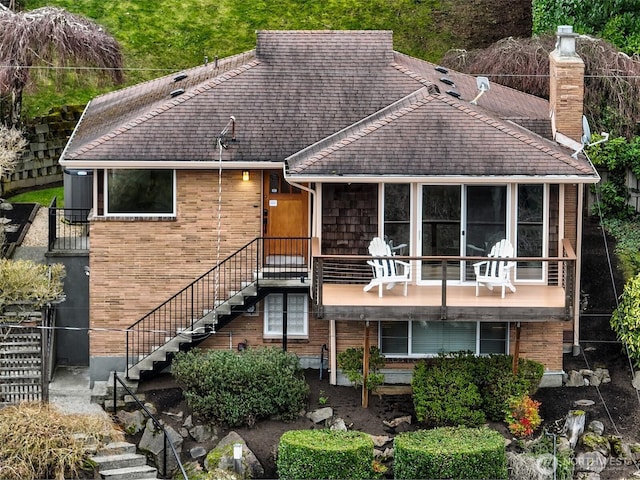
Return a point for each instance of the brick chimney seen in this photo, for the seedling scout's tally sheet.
(566, 86)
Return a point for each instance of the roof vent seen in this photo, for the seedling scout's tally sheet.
(442, 69)
(453, 93)
(180, 76)
(448, 81)
(176, 92)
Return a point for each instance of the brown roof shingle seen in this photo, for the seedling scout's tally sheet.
(300, 87)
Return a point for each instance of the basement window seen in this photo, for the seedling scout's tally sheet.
(297, 315)
(427, 339)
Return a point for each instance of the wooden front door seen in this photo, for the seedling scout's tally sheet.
(286, 215)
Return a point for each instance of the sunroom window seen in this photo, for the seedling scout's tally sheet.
(423, 338)
(140, 192)
(297, 314)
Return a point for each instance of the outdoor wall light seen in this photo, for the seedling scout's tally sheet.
(245, 175)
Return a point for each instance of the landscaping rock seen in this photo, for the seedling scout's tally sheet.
(592, 442)
(380, 440)
(574, 426)
(197, 452)
(575, 379)
(320, 415)
(222, 457)
(337, 424)
(590, 462)
(152, 441)
(203, 433)
(596, 426)
(132, 422)
(397, 421)
(188, 422)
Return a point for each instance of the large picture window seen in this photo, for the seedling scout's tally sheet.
(140, 192)
(297, 314)
(422, 338)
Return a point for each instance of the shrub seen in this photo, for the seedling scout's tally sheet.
(325, 454)
(494, 376)
(522, 416)
(25, 281)
(238, 388)
(444, 394)
(625, 321)
(37, 441)
(450, 453)
(351, 363)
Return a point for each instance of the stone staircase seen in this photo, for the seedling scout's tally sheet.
(120, 461)
(20, 366)
(102, 392)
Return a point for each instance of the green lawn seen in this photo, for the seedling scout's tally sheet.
(163, 36)
(41, 196)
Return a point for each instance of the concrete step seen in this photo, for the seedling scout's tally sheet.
(116, 448)
(130, 473)
(127, 401)
(122, 460)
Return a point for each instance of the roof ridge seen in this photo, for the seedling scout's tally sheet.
(434, 89)
(362, 127)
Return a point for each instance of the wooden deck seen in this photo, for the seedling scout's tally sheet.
(529, 302)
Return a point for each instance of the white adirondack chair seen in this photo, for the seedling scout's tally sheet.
(496, 273)
(386, 270)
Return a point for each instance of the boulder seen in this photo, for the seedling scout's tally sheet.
(320, 415)
(203, 433)
(221, 457)
(337, 424)
(575, 379)
(592, 442)
(132, 422)
(590, 462)
(152, 441)
(380, 440)
(596, 426)
(197, 452)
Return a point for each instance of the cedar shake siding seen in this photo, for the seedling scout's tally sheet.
(349, 218)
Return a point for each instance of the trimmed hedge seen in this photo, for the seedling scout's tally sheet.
(323, 454)
(450, 452)
(238, 388)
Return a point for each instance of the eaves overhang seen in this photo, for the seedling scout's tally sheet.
(171, 164)
(448, 179)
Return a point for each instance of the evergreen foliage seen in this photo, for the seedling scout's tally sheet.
(450, 453)
(316, 454)
(239, 388)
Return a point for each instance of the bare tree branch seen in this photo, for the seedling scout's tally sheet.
(50, 36)
(612, 78)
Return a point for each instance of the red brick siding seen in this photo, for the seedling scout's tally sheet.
(540, 341)
(136, 265)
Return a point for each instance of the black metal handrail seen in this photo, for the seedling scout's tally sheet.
(155, 421)
(262, 258)
(68, 227)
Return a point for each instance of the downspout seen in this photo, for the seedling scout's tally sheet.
(576, 293)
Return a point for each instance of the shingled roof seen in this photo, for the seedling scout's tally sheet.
(300, 92)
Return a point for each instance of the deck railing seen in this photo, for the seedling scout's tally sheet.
(68, 227)
(353, 269)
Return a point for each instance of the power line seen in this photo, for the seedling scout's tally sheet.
(174, 69)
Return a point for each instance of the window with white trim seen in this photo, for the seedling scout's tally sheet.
(140, 192)
(297, 314)
(421, 338)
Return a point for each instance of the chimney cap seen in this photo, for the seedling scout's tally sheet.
(566, 41)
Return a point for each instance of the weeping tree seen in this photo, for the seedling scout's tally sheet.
(612, 78)
(52, 37)
(12, 144)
